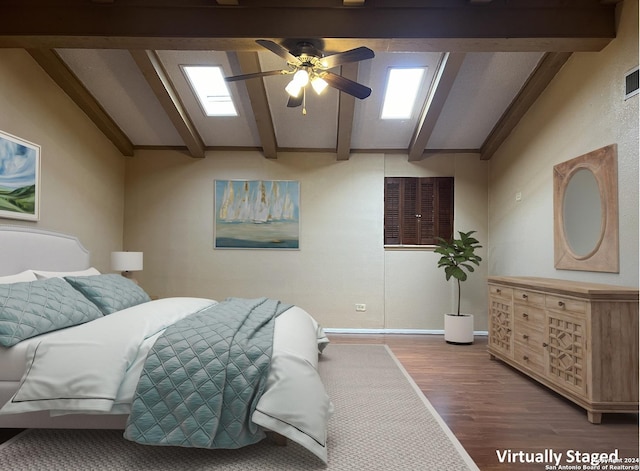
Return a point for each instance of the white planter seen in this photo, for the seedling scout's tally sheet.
(458, 329)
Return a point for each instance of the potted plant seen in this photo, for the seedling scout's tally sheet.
(457, 258)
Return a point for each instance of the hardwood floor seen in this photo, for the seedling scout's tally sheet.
(491, 407)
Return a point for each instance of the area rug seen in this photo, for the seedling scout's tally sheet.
(382, 422)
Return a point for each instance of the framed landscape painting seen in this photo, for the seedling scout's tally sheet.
(19, 178)
(257, 214)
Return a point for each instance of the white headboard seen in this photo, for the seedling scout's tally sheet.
(23, 248)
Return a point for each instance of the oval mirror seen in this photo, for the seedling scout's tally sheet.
(583, 214)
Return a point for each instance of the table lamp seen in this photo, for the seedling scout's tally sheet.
(126, 262)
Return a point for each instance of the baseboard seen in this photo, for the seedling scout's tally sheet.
(394, 331)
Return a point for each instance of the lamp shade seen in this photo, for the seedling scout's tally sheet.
(126, 261)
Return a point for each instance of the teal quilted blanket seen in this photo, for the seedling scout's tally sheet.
(204, 376)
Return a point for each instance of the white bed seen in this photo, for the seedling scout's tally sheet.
(295, 351)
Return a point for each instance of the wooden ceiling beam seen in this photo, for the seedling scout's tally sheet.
(546, 70)
(461, 27)
(346, 112)
(55, 67)
(330, 44)
(249, 63)
(149, 64)
(439, 90)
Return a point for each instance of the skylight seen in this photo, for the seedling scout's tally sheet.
(403, 84)
(207, 83)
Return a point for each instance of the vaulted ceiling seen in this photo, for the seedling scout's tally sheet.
(487, 62)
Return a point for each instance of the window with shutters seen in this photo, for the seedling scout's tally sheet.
(417, 210)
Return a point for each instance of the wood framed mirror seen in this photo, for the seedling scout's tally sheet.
(585, 210)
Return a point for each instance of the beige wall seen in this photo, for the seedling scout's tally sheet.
(341, 261)
(82, 173)
(581, 110)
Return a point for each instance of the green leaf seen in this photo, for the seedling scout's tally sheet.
(458, 255)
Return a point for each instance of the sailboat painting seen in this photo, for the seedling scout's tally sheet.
(257, 214)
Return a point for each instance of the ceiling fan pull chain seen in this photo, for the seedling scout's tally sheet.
(304, 101)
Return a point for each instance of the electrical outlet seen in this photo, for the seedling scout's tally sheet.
(361, 307)
(519, 196)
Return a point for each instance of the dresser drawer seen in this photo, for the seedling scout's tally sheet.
(529, 358)
(559, 303)
(528, 297)
(500, 292)
(528, 315)
(531, 335)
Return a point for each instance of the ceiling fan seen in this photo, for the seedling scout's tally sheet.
(308, 64)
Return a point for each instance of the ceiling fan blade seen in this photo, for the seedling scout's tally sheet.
(294, 101)
(353, 55)
(279, 50)
(255, 75)
(346, 85)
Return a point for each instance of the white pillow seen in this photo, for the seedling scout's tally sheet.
(26, 275)
(41, 275)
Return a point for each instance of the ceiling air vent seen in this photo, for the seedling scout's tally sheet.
(631, 83)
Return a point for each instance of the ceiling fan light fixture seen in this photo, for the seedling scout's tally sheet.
(293, 88)
(319, 84)
(301, 77)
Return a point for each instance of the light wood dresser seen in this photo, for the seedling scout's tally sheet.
(579, 339)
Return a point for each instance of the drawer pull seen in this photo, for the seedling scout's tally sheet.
(545, 344)
(561, 304)
(498, 290)
(525, 358)
(525, 336)
(525, 315)
(524, 296)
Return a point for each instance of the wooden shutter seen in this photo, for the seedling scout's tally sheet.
(392, 194)
(427, 211)
(417, 210)
(436, 197)
(410, 213)
(444, 197)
